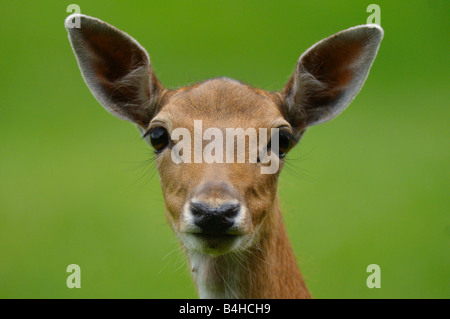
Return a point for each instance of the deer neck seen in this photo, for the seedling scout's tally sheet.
(267, 269)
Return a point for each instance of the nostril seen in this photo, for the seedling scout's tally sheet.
(197, 209)
(229, 210)
(214, 220)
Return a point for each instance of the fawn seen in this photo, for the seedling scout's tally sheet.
(226, 216)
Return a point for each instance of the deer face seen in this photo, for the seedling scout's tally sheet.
(217, 206)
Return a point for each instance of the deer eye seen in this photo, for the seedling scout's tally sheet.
(284, 143)
(159, 137)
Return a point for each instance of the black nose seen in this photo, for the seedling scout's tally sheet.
(214, 220)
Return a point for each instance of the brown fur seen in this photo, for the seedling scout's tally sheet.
(270, 269)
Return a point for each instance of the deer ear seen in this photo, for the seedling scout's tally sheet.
(116, 68)
(329, 75)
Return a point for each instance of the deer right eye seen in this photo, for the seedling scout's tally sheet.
(159, 137)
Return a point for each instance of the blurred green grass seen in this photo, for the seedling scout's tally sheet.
(369, 187)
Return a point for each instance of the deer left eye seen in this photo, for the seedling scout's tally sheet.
(284, 143)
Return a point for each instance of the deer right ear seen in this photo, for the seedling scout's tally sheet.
(329, 75)
(116, 68)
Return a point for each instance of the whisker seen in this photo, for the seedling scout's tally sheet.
(146, 167)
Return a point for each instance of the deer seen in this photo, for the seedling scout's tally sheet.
(226, 216)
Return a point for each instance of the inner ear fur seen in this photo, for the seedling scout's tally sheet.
(116, 68)
(329, 75)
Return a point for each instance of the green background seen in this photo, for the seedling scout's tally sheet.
(77, 186)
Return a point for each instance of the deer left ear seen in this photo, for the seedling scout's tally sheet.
(329, 75)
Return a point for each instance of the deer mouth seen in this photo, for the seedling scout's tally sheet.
(212, 237)
(214, 243)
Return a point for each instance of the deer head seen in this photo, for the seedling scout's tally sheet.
(219, 208)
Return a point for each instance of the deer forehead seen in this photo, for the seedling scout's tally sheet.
(221, 103)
